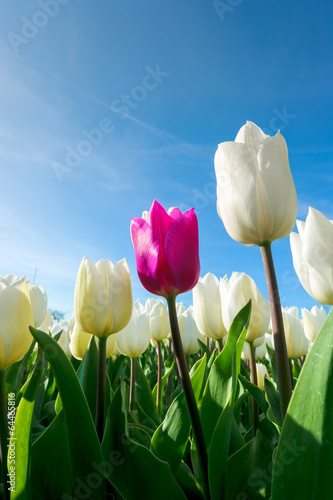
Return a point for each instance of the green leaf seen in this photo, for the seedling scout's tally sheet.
(21, 437)
(132, 468)
(304, 457)
(171, 437)
(16, 373)
(257, 393)
(248, 470)
(82, 437)
(50, 474)
(220, 442)
(144, 395)
(164, 379)
(219, 384)
(87, 374)
(273, 398)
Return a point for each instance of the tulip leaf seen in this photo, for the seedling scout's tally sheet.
(273, 398)
(163, 382)
(87, 374)
(50, 462)
(219, 384)
(257, 393)
(82, 437)
(220, 442)
(248, 470)
(15, 373)
(132, 468)
(21, 437)
(144, 394)
(302, 466)
(171, 437)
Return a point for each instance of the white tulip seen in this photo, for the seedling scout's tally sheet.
(207, 307)
(313, 321)
(133, 340)
(256, 196)
(235, 294)
(312, 251)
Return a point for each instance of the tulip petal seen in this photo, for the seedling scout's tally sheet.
(160, 221)
(146, 246)
(120, 295)
(182, 251)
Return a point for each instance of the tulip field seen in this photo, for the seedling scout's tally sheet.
(228, 399)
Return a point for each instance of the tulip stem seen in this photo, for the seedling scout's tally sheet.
(132, 385)
(189, 396)
(282, 362)
(3, 432)
(159, 377)
(101, 377)
(254, 380)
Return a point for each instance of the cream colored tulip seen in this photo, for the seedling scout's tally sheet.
(312, 250)
(256, 196)
(235, 294)
(80, 341)
(207, 307)
(15, 318)
(103, 297)
(295, 338)
(133, 340)
(260, 348)
(158, 319)
(38, 299)
(261, 374)
(313, 321)
(189, 332)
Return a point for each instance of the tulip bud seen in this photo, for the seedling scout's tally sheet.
(158, 319)
(313, 321)
(167, 250)
(103, 297)
(15, 317)
(189, 332)
(133, 340)
(295, 338)
(256, 196)
(207, 307)
(80, 341)
(312, 251)
(235, 294)
(38, 299)
(261, 374)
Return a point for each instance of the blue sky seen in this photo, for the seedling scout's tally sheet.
(106, 106)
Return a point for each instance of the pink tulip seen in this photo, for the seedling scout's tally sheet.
(167, 250)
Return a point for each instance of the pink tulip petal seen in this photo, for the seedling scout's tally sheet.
(146, 248)
(175, 213)
(160, 221)
(182, 251)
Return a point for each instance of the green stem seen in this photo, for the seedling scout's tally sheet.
(220, 345)
(282, 362)
(101, 377)
(254, 380)
(3, 432)
(159, 376)
(132, 385)
(189, 396)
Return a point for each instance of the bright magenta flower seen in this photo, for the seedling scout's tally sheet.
(167, 250)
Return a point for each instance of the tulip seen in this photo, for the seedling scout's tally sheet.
(38, 299)
(166, 250)
(235, 294)
(296, 341)
(103, 297)
(312, 251)
(313, 321)
(261, 374)
(158, 319)
(256, 196)
(207, 307)
(133, 340)
(260, 347)
(189, 332)
(15, 317)
(80, 340)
